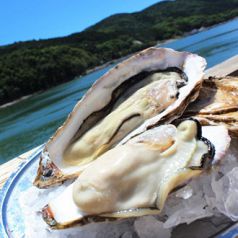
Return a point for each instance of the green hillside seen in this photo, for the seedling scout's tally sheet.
(27, 67)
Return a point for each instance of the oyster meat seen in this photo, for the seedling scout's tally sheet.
(217, 103)
(135, 178)
(148, 89)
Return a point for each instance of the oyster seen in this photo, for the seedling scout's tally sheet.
(136, 178)
(151, 87)
(217, 103)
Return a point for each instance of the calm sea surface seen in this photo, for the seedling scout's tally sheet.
(31, 122)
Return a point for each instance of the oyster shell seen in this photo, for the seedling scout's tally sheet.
(217, 103)
(155, 83)
(136, 178)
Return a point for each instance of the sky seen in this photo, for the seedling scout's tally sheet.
(22, 20)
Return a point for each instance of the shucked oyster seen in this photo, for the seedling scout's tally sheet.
(151, 87)
(135, 179)
(217, 103)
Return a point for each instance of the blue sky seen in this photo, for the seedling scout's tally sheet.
(40, 19)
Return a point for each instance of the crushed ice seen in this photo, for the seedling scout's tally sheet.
(209, 195)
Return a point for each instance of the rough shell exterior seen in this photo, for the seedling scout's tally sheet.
(217, 103)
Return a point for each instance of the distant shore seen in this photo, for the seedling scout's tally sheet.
(115, 61)
(15, 101)
(159, 43)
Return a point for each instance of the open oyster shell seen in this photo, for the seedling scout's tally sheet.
(152, 87)
(135, 179)
(217, 103)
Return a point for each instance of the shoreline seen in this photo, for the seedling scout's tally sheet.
(193, 32)
(115, 61)
(8, 104)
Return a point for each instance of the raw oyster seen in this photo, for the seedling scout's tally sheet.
(135, 179)
(155, 83)
(217, 103)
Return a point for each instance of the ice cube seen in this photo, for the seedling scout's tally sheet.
(150, 227)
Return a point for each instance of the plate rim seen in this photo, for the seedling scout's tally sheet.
(7, 189)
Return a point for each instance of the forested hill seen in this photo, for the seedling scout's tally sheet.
(27, 67)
